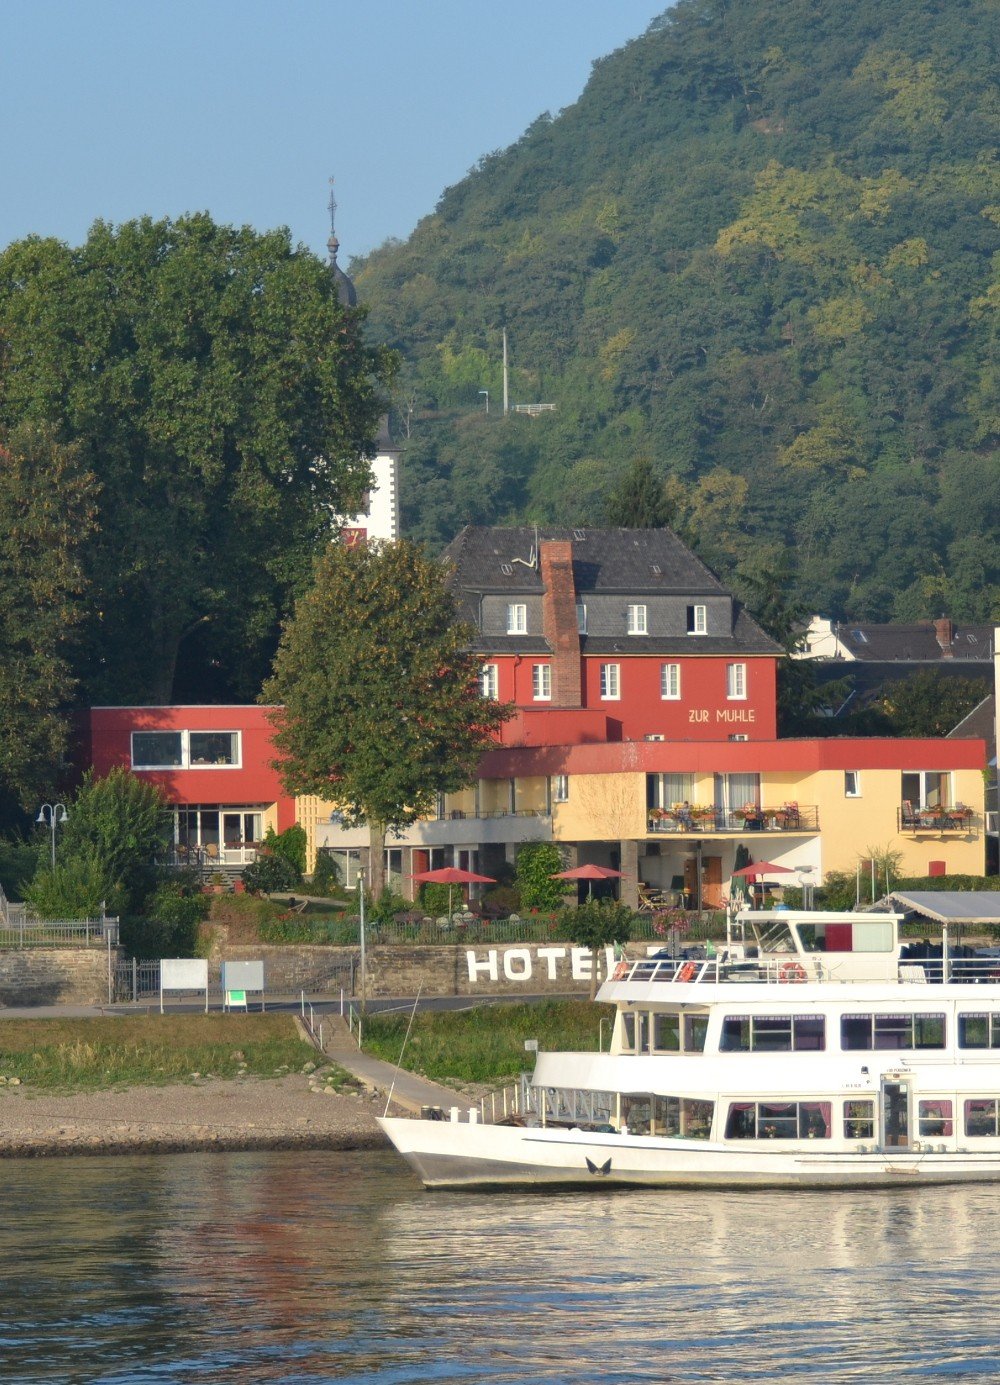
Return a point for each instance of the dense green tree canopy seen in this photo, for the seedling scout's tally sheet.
(762, 250)
(381, 707)
(47, 506)
(225, 402)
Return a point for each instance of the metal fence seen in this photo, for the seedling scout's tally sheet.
(19, 931)
(134, 980)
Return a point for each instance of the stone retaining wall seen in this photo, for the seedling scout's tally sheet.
(54, 976)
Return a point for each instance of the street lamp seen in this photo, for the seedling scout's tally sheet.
(361, 935)
(804, 873)
(54, 814)
(487, 393)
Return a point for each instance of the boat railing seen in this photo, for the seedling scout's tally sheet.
(526, 1104)
(972, 966)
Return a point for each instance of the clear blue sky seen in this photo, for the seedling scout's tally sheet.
(243, 108)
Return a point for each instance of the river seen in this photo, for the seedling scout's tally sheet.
(334, 1267)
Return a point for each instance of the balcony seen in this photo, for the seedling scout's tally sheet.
(466, 829)
(788, 818)
(938, 822)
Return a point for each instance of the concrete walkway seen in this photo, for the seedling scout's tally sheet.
(408, 1091)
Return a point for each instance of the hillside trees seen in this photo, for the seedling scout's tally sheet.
(225, 402)
(380, 702)
(761, 248)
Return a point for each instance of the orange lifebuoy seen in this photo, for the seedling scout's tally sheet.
(792, 971)
(686, 972)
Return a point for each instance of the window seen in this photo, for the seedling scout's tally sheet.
(541, 682)
(934, 1118)
(185, 749)
(517, 619)
(669, 790)
(156, 749)
(859, 1120)
(490, 681)
(666, 1033)
(927, 788)
(979, 1030)
(695, 1030)
(852, 783)
(697, 620)
(778, 1120)
(891, 1031)
(560, 788)
(670, 682)
(981, 1117)
(772, 1033)
(581, 618)
(610, 685)
(636, 620)
(736, 682)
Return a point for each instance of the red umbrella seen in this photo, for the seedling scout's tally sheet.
(756, 870)
(589, 873)
(451, 875)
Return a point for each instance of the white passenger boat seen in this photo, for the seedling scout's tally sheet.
(811, 1051)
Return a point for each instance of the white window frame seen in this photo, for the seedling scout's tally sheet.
(736, 682)
(186, 761)
(560, 788)
(852, 783)
(636, 619)
(581, 618)
(541, 682)
(517, 618)
(611, 682)
(489, 681)
(698, 620)
(670, 682)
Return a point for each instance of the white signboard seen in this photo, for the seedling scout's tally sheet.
(241, 978)
(183, 974)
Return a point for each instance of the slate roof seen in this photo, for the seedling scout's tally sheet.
(917, 643)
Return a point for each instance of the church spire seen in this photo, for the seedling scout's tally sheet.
(345, 289)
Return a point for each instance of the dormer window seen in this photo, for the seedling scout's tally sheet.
(636, 620)
(517, 618)
(697, 620)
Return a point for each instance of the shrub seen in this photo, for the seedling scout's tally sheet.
(75, 889)
(326, 876)
(270, 873)
(290, 845)
(388, 906)
(501, 900)
(536, 865)
(18, 863)
(433, 898)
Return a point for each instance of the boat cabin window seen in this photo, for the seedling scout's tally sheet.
(686, 1117)
(981, 1116)
(934, 1118)
(646, 1030)
(695, 1028)
(979, 1030)
(778, 1120)
(772, 1033)
(666, 1033)
(859, 1120)
(891, 1031)
(777, 937)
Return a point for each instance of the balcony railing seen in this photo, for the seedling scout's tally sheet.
(788, 818)
(935, 821)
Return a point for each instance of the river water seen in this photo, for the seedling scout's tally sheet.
(338, 1267)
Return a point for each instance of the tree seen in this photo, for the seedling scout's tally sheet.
(536, 865)
(929, 703)
(107, 848)
(638, 500)
(596, 924)
(225, 401)
(47, 501)
(380, 701)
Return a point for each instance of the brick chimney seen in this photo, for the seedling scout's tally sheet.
(559, 622)
(944, 629)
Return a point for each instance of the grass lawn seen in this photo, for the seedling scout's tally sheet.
(147, 1050)
(486, 1044)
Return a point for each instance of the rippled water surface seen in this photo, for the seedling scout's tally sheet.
(277, 1267)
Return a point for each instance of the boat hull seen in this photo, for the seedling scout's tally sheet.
(446, 1154)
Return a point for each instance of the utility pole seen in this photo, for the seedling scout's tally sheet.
(506, 400)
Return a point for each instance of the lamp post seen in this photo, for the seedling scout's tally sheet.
(804, 873)
(487, 393)
(55, 814)
(361, 934)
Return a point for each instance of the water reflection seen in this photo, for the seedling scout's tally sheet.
(321, 1267)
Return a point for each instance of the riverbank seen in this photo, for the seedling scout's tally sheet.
(299, 1111)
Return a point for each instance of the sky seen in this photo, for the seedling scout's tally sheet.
(121, 108)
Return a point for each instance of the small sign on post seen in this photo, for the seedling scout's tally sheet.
(235, 1000)
(240, 980)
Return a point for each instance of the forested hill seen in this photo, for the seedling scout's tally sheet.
(762, 251)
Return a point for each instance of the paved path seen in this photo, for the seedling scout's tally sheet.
(408, 1090)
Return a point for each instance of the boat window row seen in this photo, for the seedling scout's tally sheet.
(689, 1118)
(645, 1031)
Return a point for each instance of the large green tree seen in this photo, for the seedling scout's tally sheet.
(381, 705)
(47, 503)
(225, 400)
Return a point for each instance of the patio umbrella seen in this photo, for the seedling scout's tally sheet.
(756, 870)
(590, 874)
(451, 875)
